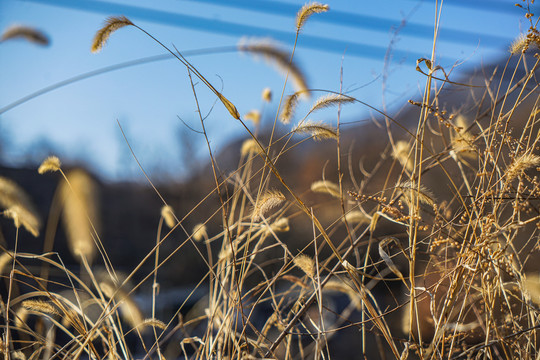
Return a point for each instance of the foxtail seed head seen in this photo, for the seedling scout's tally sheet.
(112, 24)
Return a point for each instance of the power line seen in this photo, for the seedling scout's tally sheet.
(484, 5)
(235, 29)
(342, 18)
(228, 28)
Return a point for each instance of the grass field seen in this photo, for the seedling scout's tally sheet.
(422, 244)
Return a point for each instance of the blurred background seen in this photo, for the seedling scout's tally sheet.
(83, 96)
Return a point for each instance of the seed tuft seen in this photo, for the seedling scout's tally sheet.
(279, 57)
(307, 10)
(318, 130)
(26, 33)
(50, 164)
(269, 200)
(112, 24)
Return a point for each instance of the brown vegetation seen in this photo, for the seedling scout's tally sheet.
(303, 248)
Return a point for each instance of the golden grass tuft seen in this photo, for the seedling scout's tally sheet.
(326, 187)
(521, 164)
(357, 217)
(411, 191)
(318, 130)
(306, 264)
(269, 200)
(199, 232)
(17, 355)
(462, 140)
(253, 116)
(524, 42)
(520, 44)
(267, 95)
(329, 101)
(27, 33)
(279, 57)
(250, 146)
(167, 214)
(280, 225)
(5, 260)
(288, 108)
(306, 11)
(153, 323)
(40, 306)
(50, 164)
(18, 206)
(131, 313)
(112, 24)
(402, 153)
(80, 211)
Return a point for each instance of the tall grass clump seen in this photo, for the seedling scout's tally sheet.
(423, 245)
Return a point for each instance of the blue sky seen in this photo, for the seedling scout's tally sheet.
(80, 120)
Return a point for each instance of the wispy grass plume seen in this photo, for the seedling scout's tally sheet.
(319, 130)
(50, 164)
(267, 201)
(112, 24)
(40, 306)
(357, 217)
(253, 116)
(79, 196)
(26, 33)
(411, 190)
(199, 232)
(306, 11)
(327, 187)
(250, 146)
(18, 206)
(402, 153)
(306, 264)
(279, 57)
(521, 164)
(329, 101)
(266, 95)
(288, 108)
(131, 312)
(167, 214)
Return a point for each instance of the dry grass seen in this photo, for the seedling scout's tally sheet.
(432, 253)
